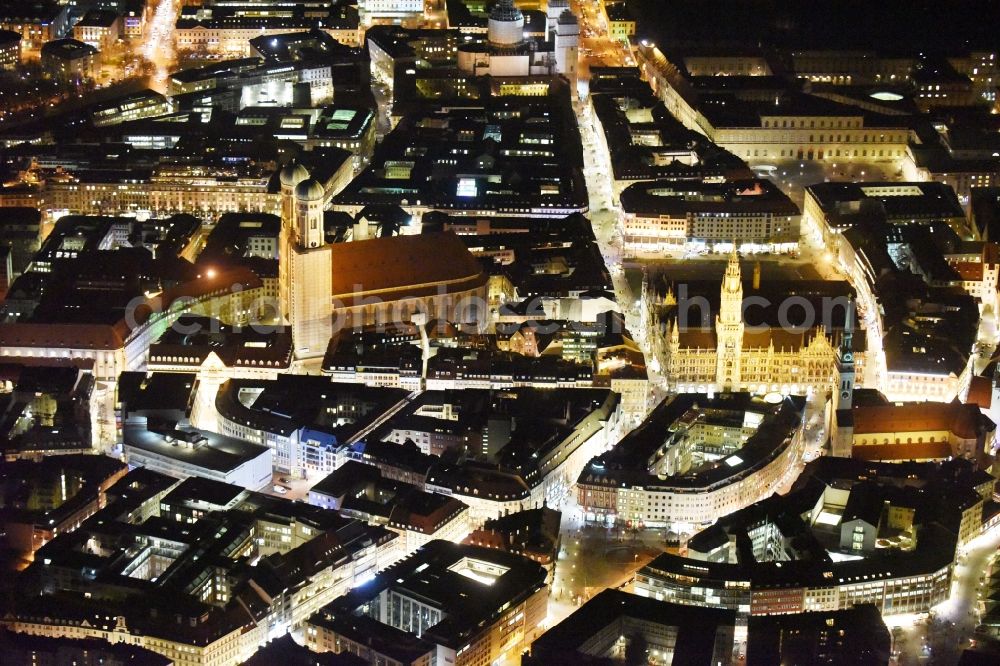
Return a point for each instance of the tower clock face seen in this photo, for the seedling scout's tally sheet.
(845, 394)
(848, 357)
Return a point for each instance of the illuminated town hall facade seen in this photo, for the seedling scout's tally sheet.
(730, 354)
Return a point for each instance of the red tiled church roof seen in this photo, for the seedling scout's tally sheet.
(960, 419)
(398, 267)
(914, 451)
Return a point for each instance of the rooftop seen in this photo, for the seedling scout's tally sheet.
(899, 201)
(332, 411)
(193, 338)
(444, 575)
(401, 266)
(628, 462)
(702, 633)
(736, 197)
(857, 635)
(209, 450)
(67, 49)
(98, 18)
(9, 38)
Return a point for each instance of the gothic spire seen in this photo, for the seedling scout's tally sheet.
(732, 281)
(846, 340)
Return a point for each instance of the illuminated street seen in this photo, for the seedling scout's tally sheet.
(158, 46)
(409, 331)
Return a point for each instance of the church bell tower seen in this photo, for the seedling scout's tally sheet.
(842, 398)
(729, 326)
(305, 271)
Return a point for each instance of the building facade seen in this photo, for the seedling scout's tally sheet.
(737, 357)
(717, 458)
(661, 215)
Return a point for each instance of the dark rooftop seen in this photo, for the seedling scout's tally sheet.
(701, 632)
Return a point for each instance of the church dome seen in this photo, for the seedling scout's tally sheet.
(309, 190)
(506, 24)
(293, 174)
(505, 11)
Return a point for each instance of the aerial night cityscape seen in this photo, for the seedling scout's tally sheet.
(499, 332)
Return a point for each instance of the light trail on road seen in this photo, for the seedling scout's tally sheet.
(158, 47)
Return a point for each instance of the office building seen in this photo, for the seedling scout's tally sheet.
(182, 586)
(618, 625)
(36, 22)
(100, 28)
(70, 59)
(360, 491)
(305, 421)
(694, 458)
(856, 636)
(58, 494)
(10, 49)
(850, 533)
(663, 215)
(462, 604)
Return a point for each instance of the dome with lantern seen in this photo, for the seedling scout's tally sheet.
(506, 24)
